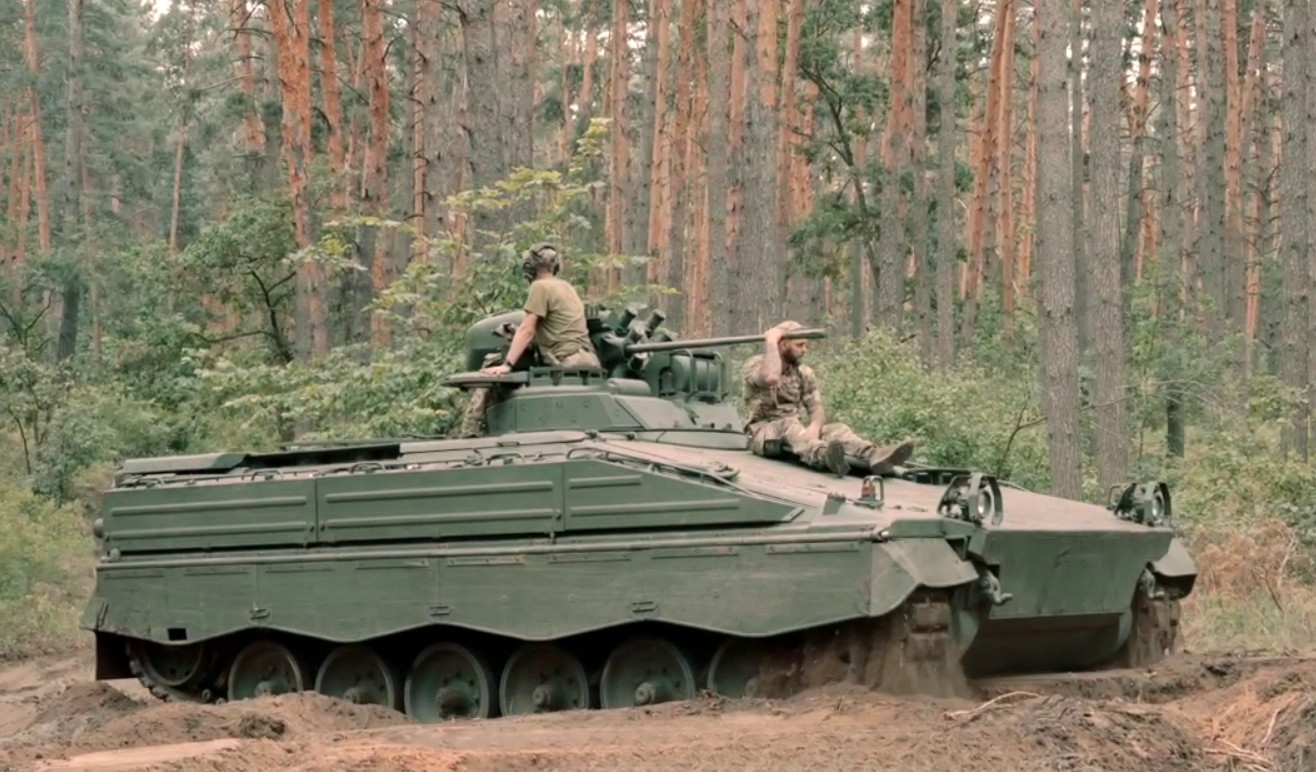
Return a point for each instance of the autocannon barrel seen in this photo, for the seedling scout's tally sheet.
(676, 345)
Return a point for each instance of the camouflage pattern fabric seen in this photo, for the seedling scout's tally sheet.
(794, 434)
(776, 414)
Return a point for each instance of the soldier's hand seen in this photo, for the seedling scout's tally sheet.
(496, 370)
(774, 334)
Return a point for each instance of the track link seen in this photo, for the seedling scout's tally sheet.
(199, 688)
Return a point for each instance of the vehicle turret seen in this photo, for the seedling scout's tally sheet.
(649, 379)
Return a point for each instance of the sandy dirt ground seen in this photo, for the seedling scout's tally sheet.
(1195, 712)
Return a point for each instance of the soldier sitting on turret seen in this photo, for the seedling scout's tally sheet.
(777, 386)
(554, 322)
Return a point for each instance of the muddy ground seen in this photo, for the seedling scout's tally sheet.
(1196, 712)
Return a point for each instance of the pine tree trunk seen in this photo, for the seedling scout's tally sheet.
(180, 147)
(619, 193)
(759, 255)
(1308, 162)
(1005, 227)
(485, 160)
(1210, 242)
(1252, 124)
(742, 45)
(1235, 256)
(1029, 214)
(1138, 220)
(1078, 180)
(75, 133)
(1055, 202)
(946, 135)
(333, 106)
(679, 183)
(888, 269)
(920, 244)
(1293, 211)
(1107, 297)
(1171, 207)
(252, 126)
(37, 140)
(656, 137)
(719, 149)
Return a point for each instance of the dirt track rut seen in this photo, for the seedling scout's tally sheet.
(1197, 712)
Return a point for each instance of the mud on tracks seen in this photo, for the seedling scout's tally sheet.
(1223, 712)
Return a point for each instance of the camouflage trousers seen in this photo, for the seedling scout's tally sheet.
(794, 434)
(473, 423)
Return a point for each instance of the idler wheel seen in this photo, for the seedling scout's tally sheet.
(265, 668)
(447, 681)
(357, 674)
(542, 678)
(645, 671)
(734, 670)
(173, 666)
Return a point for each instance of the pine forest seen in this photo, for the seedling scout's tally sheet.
(1072, 244)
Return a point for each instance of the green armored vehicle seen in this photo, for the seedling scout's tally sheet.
(611, 542)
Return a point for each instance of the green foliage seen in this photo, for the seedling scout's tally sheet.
(970, 416)
(364, 390)
(248, 263)
(44, 552)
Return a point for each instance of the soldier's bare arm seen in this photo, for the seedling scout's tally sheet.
(536, 307)
(770, 370)
(525, 332)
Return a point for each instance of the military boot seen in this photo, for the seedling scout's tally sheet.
(884, 460)
(833, 458)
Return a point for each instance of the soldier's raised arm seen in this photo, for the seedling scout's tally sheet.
(768, 373)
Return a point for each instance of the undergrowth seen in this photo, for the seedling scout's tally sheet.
(1248, 515)
(45, 573)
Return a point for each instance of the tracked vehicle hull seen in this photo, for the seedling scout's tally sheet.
(499, 571)
(613, 543)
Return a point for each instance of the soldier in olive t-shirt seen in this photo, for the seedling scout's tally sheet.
(554, 321)
(560, 331)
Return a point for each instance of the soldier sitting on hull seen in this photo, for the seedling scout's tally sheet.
(777, 387)
(554, 322)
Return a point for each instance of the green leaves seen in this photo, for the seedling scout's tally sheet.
(362, 390)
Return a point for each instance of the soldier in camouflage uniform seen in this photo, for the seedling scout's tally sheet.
(777, 387)
(554, 322)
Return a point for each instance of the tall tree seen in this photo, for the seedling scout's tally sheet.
(1106, 292)
(1210, 242)
(1055, 255)
(719, 160)
(74, 134)
(1293, 211)
(759, 255)
(946, 133)
(1172, 230)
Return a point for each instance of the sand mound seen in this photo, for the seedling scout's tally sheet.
(63, 716)
(284, 717)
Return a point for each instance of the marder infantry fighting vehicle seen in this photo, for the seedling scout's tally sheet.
(611, 542)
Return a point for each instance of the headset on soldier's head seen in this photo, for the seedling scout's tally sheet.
(543, 254)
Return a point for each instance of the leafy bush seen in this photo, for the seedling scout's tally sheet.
(966, 417)
(45, 556)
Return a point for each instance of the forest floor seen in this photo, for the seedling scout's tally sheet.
(1222, 711)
